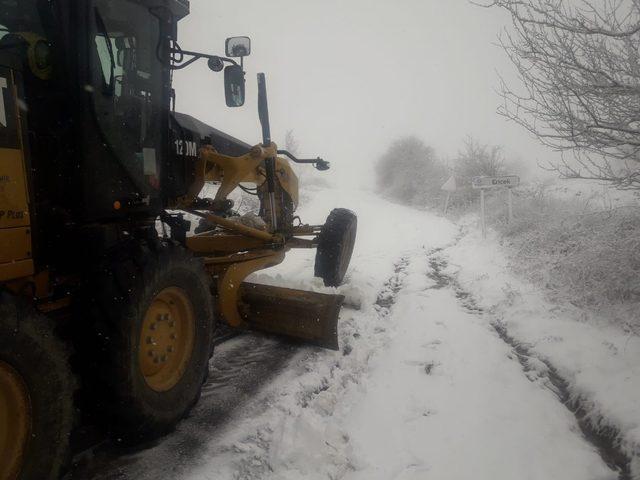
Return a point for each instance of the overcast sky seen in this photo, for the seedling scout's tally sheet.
(350, 76)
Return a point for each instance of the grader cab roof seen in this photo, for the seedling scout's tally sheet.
(179, 8)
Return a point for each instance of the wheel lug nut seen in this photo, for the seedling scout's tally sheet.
(172, 323)
(170, 349)
(150, 353)
(159, 317)
(173, 336)
(149, 340)
(153, 326)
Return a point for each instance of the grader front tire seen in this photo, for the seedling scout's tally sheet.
(153, 314)
(335, 246)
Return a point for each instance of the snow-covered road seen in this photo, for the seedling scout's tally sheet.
(447, 400)
(424, 387)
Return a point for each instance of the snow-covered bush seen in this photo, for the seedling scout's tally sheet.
(411, 173)
(587, 255)
(478, 160)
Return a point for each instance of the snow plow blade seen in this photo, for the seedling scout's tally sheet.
(308, 316)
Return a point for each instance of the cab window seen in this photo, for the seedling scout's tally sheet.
(127, 85)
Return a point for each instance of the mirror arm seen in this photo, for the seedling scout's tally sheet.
(195, 56)
(319, 163)
(184, 64)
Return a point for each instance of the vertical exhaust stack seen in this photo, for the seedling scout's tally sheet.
(269, 163)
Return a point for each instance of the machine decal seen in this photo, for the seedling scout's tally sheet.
(15, 230)
(3, 112)
(190, 149)
(12, 214)
(8, 117)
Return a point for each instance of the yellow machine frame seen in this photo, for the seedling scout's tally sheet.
(231, 250)
(15, 222)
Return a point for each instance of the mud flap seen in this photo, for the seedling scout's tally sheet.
(308, 316)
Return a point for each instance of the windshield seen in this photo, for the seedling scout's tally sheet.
(127, 77)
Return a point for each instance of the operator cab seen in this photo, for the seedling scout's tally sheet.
(94, 95)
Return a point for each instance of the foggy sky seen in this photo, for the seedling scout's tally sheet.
(350, 76)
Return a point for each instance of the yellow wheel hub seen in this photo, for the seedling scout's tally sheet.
(166, 339)
(15, 421)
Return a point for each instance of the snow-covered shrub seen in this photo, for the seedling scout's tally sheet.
(411, 173)
(478, 160)
(587, 255)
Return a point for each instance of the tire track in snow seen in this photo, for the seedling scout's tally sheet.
(240, 367)
(387, 296)
(606, 440)
(337, 374)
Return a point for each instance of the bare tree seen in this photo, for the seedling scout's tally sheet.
(411, 172)
(291, 143)
(477, 160)
(579, 63)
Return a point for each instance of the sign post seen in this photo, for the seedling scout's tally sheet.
(484, 183)
(483, 222)
(449, 186)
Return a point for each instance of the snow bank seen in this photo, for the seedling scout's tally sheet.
(600, 362)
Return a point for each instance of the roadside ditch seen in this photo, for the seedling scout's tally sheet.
(606, 440)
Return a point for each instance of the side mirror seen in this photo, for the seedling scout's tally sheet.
(238, 47)
(234, 89)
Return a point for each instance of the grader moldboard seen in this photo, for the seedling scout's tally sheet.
(108, 301)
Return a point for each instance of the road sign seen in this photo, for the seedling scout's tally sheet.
(495, 182)
(484, 183)
(450, 185)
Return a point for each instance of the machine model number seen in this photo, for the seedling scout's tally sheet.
(11, 214)
(190, 149)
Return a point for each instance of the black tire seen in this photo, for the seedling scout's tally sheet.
(117, 303)
(335, 246)
(30, 347)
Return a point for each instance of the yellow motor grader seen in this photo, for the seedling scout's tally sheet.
(109, 297)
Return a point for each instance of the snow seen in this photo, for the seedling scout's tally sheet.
(445, 402)
(423, 387)
(599, 361)
(448, 369)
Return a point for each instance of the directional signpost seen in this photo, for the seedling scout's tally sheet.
(508, 181)
(484, 183)
(449, 187)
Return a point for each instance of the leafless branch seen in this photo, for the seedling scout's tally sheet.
(579, 66)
